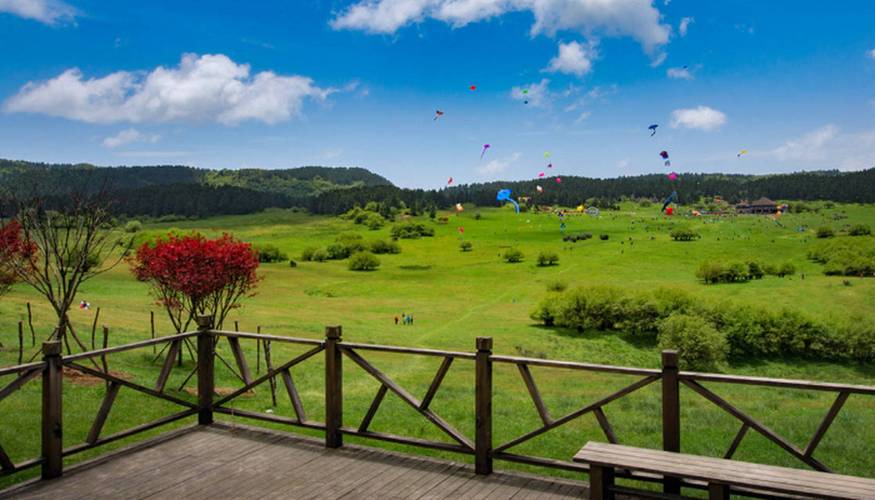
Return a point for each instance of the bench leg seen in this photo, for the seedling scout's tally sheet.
(718, 491)
(601, 483)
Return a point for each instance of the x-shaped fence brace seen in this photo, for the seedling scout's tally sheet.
(421, 407)
(550, 423)
(25, 376)
(748, 422)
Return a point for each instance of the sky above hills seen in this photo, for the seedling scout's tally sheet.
(227, 84)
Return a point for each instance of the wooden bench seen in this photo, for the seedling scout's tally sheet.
(719, 474)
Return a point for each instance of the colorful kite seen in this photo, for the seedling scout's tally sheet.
(673, 176)
(437, 114)
(460, 207)
(549, 165)
(541, 174)
(461, 230)
(742, 152)
(664, 155)
(485, 147)
(449, 181)
(559, 180)
(652, 129)
(672, 197)
(504, 195)
(547, 154)
(473, 87)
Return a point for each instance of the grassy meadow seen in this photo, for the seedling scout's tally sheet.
(455, 297)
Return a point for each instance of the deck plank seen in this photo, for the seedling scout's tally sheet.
(221, 461)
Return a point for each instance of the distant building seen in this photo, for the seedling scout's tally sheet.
(762, 206)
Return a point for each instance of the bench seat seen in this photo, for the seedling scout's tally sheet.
(720, 474)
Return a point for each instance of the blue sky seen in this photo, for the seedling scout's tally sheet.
(265, 84)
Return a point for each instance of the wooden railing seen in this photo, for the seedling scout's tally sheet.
(481, 445)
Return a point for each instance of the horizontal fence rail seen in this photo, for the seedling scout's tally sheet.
(202, 347)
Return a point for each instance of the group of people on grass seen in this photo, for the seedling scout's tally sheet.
(405, 319)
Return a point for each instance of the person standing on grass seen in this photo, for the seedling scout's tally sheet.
(410, 318)
(396, 320)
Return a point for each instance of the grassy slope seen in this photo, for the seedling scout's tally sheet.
(456, 297)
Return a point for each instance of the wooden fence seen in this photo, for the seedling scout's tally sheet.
(481, 445)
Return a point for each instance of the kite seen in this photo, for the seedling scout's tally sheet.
(460, 207)
(547, 154)
(473, 88)
(540, 189)
(541, 174)
(669, 211)
(664, 155)
(437, 114)
(485, 147)
(742, 152)
(672, 197)
(652, 129)
(504, 195)
(559, 180)
(449, 181)
(549, 165)
(461, 230)
(526, 92)
(673, 176)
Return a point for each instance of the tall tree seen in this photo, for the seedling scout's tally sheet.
(64, 248)
(11, 249)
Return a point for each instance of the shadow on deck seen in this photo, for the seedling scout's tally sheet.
(221, 461)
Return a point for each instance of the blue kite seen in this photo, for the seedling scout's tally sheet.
(504, 195)
(672, 197)
(652, 129)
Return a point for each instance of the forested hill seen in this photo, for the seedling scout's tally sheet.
(850, 187)
(189, 191)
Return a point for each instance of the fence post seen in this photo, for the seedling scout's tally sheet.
(483, 407)
(52, 435)
(205, 370)
(333, 387)
(671, 413)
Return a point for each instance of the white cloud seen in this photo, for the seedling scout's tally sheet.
(685, 25)
(582, 117)
(701, 117)
(537, 94)
(573, 58)
(871, 54)
(638, 19)
(658, 60)
(207, 88)
(680, 73)
(45, 11)
(808, 147)
(829, 147)
(129, 136)
(498, 166)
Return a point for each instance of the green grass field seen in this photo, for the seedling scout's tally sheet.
(456, 297)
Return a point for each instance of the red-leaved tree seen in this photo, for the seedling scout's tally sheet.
(192, 275)
(12, 249)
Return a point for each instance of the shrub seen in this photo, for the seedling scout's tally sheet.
(133, 226)
(700, 346)
(363, 261)
(825, 232)
(465, 246)
(383, 246)
(477, 216)
(307, 254)
(645, 203)
(603, 237)
(269, 254)
(513, 255)
(684, 234)
(786, 269)
(859, 230)
(374, 221)
(546, 310)
(548, 258)
(337, 251)
(411, 230)
(755, 270)
(319, 255)
(556, 286)
(292, 263)
(710, 272)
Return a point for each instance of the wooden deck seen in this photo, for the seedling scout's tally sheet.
(246, 462)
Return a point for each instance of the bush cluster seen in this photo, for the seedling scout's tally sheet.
(411, 230)
(845, 257)
(738, 272)
(548, 258)
(604, 237)
(383, 246)
(133, 226)
(347, 245)
(859, 230)
(747, 330)
(825, 232)
(684, 234)
(367, 216)
(465, 246)
(513, 255)
(269, 253)
(574, 238)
